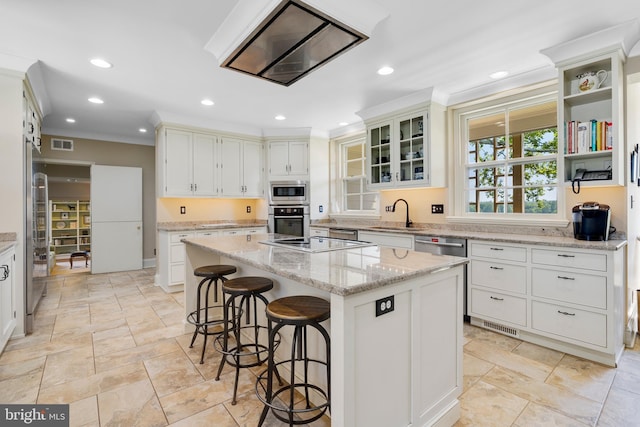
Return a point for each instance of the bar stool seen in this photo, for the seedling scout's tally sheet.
(247, 350)
(298, 311)
(206, 315)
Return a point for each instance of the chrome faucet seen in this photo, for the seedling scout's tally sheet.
(393, 209)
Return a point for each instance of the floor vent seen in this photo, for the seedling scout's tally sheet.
(62, 144)
(500, 328)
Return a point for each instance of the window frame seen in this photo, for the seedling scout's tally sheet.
(460, 115)
(339, 207)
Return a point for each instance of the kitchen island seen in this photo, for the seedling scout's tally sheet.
(401, 368)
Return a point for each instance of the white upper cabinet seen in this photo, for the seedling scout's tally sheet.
(406, 146)
(241, 172)
(187, 164)
(288, 160)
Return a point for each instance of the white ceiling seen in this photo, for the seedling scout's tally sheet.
(162, 67)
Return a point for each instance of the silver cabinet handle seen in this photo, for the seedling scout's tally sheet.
(496, 268)
(496, 249)
(428, 242)
(566, 278)
(566, 256)
(496, 298)
(5, 272)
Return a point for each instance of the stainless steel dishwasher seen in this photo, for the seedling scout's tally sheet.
(446, 246)
(344, 233)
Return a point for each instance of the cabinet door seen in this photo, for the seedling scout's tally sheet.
(7, 321)
(252, 169)
(204, 165)
(179, 163)
(231, 167)
(298, 158)
(379, 156)
(412, 147)
(279, 158)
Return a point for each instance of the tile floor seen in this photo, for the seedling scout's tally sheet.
(114, 346)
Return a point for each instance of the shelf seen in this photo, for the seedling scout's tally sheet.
(584, 98)
(72, 237)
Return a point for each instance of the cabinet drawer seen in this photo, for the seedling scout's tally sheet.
(209, 233)
(177, 253)
(506, 277)
(402, 241)
(582, 260)
(576, 288)
(579, 325)
(503, 252)
(499, 306)
(176, 237)
(177, 273)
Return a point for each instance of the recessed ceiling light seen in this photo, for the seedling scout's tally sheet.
(70, 120)
(385, 71)
(207, 102)
(95, 100)
(343, 123)
(499, 74)
(101, 63)
(280, 117)
(142, 130)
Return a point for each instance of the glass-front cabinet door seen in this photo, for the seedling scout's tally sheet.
(412, 149)
(380, 155)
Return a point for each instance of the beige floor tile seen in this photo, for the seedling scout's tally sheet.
(112, 345)
(536, 415)
(627, 381)
(498, 340)
(172, 372)
(21, 389)
(473, 369)
(507, 359)
(104, 381)
(68, 366)
(133, 355)
(157, 334)
(621, 409)
(197, 398)
(589, 379)
(217, 416)
(135, 404)
(540, 354)
(84, 413)
(19, 369)
(559, 399)
(487, 406)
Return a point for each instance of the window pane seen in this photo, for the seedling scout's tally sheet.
(369, 201)
(354, 168)
(542, 200)
(352, 186)
(540, 142)
(353, 152)
(353, 202)
(540, 173)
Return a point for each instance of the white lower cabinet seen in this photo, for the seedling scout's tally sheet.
(170, 257)
(7, 316)
(318, 231)
(571, 300)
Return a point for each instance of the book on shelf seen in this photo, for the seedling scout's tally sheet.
(586, 137)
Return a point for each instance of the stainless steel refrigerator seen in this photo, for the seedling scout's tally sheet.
(37, 233)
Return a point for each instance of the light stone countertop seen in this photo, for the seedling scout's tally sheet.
(342, 272)
(527, 239)
(207, 225)
(7, 240)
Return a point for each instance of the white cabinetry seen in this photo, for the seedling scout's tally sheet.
(407, 148)
(187, 163)
(242, 168)
(318, 231)
(569, 299)
(288, 160)
(7, 316)
(401, 241)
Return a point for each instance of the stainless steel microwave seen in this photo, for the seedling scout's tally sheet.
(289, 193)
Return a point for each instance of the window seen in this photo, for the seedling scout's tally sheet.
(508, 155)
(352, 178)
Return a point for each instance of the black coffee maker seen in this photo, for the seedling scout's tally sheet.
(591, 221)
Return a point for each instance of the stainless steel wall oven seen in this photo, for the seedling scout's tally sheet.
(289, 208)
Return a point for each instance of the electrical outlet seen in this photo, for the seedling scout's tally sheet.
(183, 210)
(248, 209)
(388, 208)
(320, 208)
(384, 305)
(437, 209)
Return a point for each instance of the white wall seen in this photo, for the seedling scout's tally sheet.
(12, 177)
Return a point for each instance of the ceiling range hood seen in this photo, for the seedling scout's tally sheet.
(290, 38)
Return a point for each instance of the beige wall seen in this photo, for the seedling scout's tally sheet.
(118, 154)
(420, 201)
(168, 209)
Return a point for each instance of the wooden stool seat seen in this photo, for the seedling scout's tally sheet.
(247, 285)
(214, 270)
(299, 309)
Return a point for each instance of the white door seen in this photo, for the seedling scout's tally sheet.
(116, 218)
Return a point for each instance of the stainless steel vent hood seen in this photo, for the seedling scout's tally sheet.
(288, 41)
